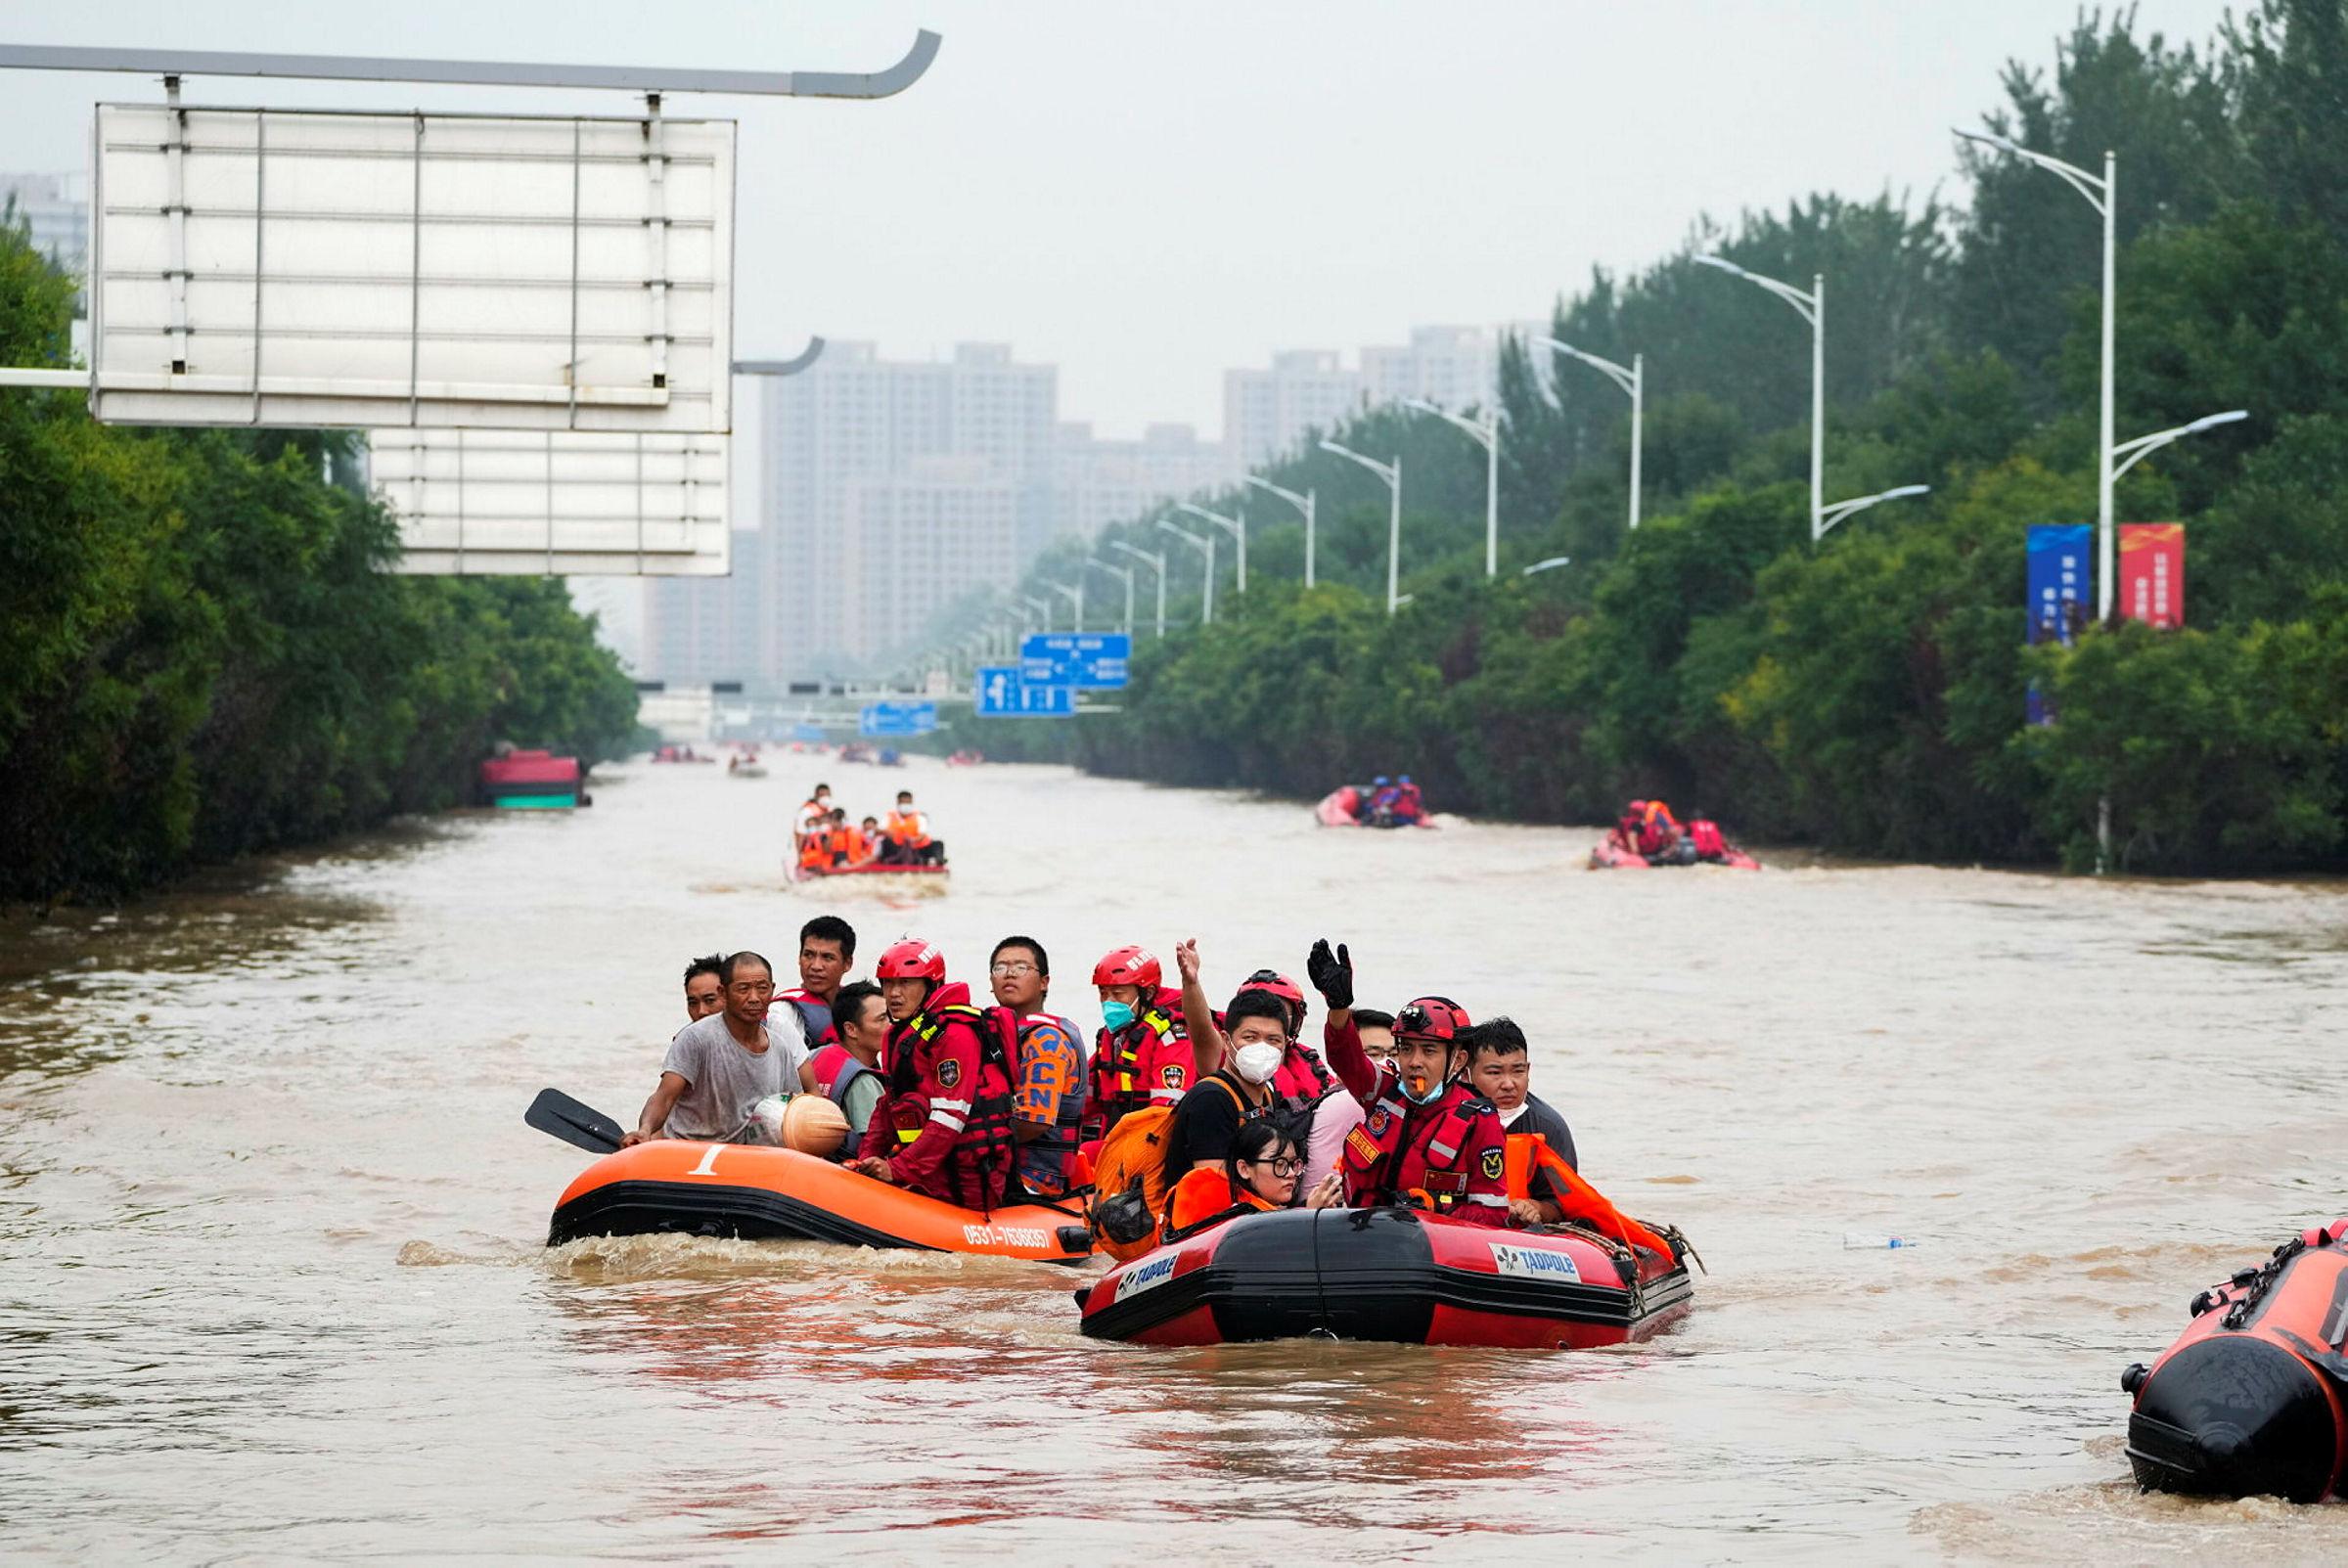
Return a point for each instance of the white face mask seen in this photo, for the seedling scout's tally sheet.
(1259, 1061)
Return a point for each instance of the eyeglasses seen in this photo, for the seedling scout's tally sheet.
(1285, 1165)
(1014, 967)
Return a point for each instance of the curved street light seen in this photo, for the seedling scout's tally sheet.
(1851, 509)
(1237, 527)
(1204, 544)
(1158, 563)
(1551, 564)
(1124, 572)
(1302, 503)
(1812, 310)
(2144, 446)
(2099, 194)
(1484, 433)
(1632, 379)
(1076, 598)
(1391, 473)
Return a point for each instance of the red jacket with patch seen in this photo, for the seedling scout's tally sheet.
(1455, 1151)
(943, 1122)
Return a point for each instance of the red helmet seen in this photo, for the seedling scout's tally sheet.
(1129, 965)
(1281, 986)
(912, 958)
(1431, 1018)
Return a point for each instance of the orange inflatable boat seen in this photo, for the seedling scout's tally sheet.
(760, 1193)
(2252, 1399)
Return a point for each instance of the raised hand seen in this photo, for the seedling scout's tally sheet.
(1185, 959)
(1331, 973)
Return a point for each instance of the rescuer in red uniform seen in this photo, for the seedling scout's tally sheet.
(1428, 1140)
(1142, 1056)
(943, 1123)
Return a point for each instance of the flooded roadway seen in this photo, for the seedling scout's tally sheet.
(271, 1281)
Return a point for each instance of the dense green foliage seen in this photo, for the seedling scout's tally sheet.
(201, 654)
(1866, 693)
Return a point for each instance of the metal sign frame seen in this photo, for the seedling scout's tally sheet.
(309, 268)
(555, 502)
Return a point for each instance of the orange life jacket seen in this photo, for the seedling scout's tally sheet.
(813, 852)
(907, 828)
(1584, 1204)
(1206, 1193)
(845, 844)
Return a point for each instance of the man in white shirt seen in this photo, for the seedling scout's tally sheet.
(720, 1066)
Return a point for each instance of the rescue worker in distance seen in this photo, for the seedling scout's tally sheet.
(1427, 1140)
(1142, 1057)
(943, 1123)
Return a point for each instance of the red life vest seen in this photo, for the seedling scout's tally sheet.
(1402, 1149)
(978, 1168)
(1300, 1079)
(1122, 1077)
(836, 1071)
(1705, 834)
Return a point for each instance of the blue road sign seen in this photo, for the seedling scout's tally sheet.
(1090, 661)
(897, 718)
(998, 693)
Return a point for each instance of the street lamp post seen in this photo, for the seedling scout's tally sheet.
(1302, 503)
(1632, 379)
(2100, 195)
(1042, 609)
(1204, 544)
(1851, 509)
(1125, 572)
(1551, 564)
(1237, 527)
(1812, 310)
(1158, 563)
(1484, 433)
(2130, 452)
(1076, 598)
(1391, 473)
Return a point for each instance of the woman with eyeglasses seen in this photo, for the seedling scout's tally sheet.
(1258, 1174)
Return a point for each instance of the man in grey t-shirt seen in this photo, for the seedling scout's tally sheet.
(719, 1066)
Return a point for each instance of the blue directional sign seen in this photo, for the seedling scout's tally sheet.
(897, 718)
(1090, 661)
(998, 693)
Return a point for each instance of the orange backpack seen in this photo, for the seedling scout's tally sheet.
(1130, 1187)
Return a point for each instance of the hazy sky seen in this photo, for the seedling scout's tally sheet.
(1147, 194)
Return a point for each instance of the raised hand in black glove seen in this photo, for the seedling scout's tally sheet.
(1331, 973)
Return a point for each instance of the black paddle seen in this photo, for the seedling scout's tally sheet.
(582, 1125)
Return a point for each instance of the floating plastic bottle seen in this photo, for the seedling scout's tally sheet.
(1860, 1241)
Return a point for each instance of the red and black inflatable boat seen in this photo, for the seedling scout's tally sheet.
(1389, 1274)
(2252, 1399)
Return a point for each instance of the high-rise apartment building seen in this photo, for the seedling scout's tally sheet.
(888, 489)
(1266, 411)
(1096, 482)
(55, 210)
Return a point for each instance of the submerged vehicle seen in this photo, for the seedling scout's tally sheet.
(757, 1193)
(1392, 1274)
(2252, 1399)
(532, 780)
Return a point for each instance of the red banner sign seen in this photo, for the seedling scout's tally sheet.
(2152, 573)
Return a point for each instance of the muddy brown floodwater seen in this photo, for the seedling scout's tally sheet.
(272, 1281)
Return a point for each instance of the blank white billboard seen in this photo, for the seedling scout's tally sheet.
(305, 268)
(554, 503)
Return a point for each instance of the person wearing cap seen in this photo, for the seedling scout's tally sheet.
(1427, 1140)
